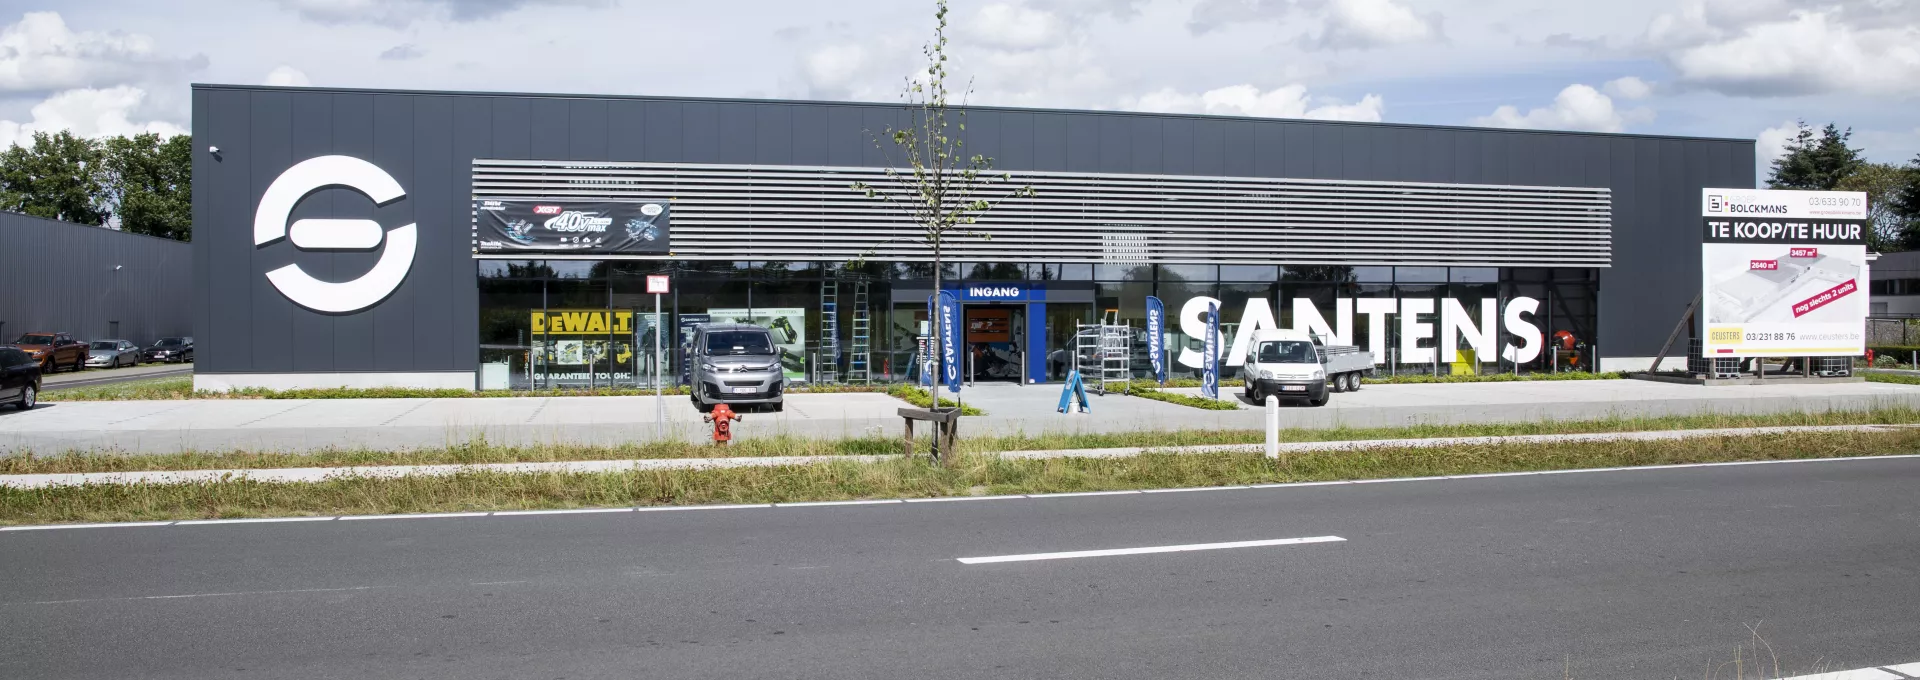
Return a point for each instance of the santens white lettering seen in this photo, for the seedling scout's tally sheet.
(1457, 325)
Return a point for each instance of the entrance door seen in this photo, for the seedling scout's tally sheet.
(996, 341)
(1063, 320)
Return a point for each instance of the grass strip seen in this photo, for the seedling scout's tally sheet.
(968, 474)
(476, 452)
(1896, 378)
(919, 397)
(182, 388)
(1146, 389)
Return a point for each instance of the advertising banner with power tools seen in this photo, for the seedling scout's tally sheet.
(788, 326)
(561, 226)
(573, 345)
(1784, 273)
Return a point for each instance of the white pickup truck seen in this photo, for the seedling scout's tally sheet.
(1294, 365)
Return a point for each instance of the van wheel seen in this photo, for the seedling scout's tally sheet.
(1321, 401)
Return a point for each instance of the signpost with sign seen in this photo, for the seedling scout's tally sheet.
(657, 284)
(1784, 273)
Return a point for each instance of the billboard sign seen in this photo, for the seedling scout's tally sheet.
(568, 226)
(1784, 273)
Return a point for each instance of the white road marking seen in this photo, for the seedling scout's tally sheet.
(950, 499)
(573, 511)
(101, 525)
(669, 508)
(821, 504)
(421, 515)
(1195, 488)
(1114, 552)
(183, 597)
(497, 583)
(254, 520)
(1905, 669)
(1077, 494)
(1855, 674)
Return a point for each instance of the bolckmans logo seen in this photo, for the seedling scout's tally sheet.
(1716, 203)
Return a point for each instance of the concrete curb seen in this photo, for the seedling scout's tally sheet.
(318, 474)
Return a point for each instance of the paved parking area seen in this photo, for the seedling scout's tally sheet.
(303, 425)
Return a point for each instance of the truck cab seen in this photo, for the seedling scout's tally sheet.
(1284, 364)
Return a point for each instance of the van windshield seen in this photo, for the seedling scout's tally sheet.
(1286, 352)
(739, 343)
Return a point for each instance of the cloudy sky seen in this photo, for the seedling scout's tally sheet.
(1723, 68)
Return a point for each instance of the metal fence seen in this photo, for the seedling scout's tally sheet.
(1885, 332)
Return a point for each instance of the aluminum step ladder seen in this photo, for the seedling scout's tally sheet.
(827, 365)
(860, 352)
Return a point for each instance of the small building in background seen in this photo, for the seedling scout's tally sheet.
(93, 282)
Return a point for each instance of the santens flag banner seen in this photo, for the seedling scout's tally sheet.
(565, 226)
(1785, 272)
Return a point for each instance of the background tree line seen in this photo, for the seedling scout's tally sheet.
(143, 184)
(1821, 160)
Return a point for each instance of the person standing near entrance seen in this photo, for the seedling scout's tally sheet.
(1057, 364)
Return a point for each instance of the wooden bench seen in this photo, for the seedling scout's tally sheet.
(944, 423)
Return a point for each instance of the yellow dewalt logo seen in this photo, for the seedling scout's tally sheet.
(582, 322)
(1723, 336)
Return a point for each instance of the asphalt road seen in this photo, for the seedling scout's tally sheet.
(1639, 574)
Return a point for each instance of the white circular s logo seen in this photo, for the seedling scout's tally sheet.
(306, 177)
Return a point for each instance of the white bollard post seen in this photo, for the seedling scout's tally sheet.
(1273, 427)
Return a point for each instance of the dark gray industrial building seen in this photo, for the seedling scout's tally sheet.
(93, 282)
(1522, 250)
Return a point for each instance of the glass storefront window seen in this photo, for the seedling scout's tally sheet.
(1000, 271)
(1123, 272)
(1249, 272)
(1420, 274)
(1189, 272)
(1066, 272)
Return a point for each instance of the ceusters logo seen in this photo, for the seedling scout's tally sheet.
(294, 185)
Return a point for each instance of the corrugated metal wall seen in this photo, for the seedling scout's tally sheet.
(428, 140)
(61, 277)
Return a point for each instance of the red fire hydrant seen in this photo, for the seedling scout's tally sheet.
(722, 418)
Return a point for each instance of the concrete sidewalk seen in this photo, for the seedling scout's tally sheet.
(388, 424)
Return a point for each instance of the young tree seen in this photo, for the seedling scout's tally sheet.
(941, 190)
(1882, 183)
(1815, 162)
(57, 177)
(1903, 203)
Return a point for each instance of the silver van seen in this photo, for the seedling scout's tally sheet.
(736, 364)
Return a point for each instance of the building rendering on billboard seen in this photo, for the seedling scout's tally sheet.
(1783, 273)
(503, 241)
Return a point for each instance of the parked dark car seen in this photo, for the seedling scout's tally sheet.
(54, 351)
(171, 350)
(19, 378)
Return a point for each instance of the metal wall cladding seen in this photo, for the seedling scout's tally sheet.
(429, 142)
(62, 277)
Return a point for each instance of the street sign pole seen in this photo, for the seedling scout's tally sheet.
(657, 284)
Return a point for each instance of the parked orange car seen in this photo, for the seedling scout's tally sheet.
(54, 351)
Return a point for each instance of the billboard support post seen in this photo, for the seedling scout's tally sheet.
(658, 285)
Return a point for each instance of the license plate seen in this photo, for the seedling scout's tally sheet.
(745, 390)
(1293, 388)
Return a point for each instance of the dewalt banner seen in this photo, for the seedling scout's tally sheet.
(582, 322)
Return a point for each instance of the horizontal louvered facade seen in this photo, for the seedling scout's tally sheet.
(753, 212)
(1602, 227)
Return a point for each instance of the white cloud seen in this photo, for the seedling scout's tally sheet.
(1329, 24)
(1013, 26)
(1288, 101)
(1628, 88)
(1361, 24)
(287, 76)
(1577, 107)
(1771, 143)
(1761, 48)
(400, 13)
(87, 112)
(40, 54)
(402, 52)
